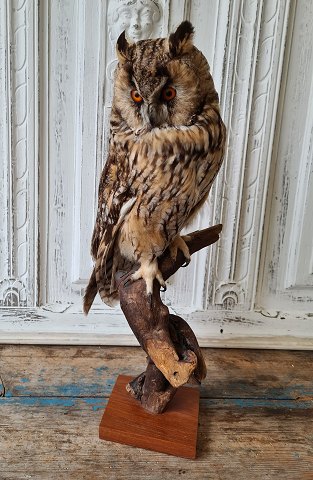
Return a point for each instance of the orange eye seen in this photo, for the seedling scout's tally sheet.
(136, 96)
(168, 93)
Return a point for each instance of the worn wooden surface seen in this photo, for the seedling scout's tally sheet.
(171, 345)
(256, 416)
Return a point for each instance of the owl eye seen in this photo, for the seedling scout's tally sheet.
(168, 93)
(136, 96)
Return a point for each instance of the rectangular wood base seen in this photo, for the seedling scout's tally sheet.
(173, 432)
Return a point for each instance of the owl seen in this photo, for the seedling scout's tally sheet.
(166, 146)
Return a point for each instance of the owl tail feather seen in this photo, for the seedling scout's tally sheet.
(102, 277)
(90, 293)
(104, 271)
(106, 290)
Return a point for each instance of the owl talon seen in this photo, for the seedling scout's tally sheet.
(124, 278)
(186, 263)
(179, 243)
(161, 281)
(149, 271)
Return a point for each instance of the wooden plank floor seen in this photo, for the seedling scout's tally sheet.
(256, 416)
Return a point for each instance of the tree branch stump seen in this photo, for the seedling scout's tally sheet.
(174, 355)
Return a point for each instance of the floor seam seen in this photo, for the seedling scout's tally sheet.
(2, 393)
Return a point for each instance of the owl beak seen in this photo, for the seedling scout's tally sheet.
(149, 115)
(152, 115)
(155, 115)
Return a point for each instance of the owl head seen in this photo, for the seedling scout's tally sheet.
(162, 82)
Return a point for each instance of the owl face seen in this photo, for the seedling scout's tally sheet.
(162, 82)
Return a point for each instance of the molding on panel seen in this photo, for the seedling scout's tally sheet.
(244, 29)
(285, 279)
(223, 329)
(61, 100)
(5, 146)
(89, 87)
(254, 101)
(13, 293)
(264, 107)
(140, 20)
(20, 85)
(299, 267)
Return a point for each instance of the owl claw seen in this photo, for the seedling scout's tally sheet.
(161, 281)
(186, 263)
(124, 278)
(127, 282)
(149, 271)
(179, 243)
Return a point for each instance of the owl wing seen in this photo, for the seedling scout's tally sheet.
(205, 184)
(114, 202)
(212, 164)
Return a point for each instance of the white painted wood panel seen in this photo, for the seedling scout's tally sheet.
(224, 329)
(19, 166)
(5, 141)
(73, 174)
(45, 234)
(287, 276)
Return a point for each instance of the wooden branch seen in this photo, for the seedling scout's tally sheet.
(197, 240)
(152, 389)
(184, 340)
(150, 320)
(173, 351)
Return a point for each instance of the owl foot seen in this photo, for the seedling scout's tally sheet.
(149, 271)
(124, 278)
(179, 243)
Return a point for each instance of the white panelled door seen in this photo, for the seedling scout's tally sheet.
(287, 276)
(57, 59)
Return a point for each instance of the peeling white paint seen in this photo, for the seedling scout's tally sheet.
(244, 43)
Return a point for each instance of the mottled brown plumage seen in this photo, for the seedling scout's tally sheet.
(163, 157)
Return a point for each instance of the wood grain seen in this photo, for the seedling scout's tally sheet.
(173, 432)
(234, 442)
(255, 421)
(167, 339)
(91, 371)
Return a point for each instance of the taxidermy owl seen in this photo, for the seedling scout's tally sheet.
(166, 146)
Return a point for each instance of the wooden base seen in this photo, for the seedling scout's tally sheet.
(173, 432)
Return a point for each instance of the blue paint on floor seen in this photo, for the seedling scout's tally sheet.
(100, 370)
(99, 389)
(94, 403)
(100, 403)
(259, 403)
(244, 389)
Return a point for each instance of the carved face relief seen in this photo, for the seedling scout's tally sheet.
(136, 17)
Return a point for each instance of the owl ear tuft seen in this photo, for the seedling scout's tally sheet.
(122, 48)
(180, 42)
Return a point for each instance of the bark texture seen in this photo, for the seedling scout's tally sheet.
(174, 355)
